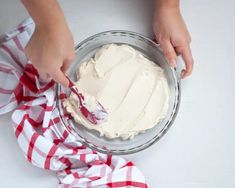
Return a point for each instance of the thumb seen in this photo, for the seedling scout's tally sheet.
(188, 59)
(67, 62)
(60, 77)
(66, 66)
(169, 53)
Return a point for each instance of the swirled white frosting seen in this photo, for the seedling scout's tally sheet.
(133, 90)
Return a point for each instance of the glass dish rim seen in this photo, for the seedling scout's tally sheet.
(147, 144)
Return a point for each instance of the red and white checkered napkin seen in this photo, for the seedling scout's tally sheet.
(42, 137)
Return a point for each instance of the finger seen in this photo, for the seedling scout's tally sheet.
(43, 74)
(65, 67)
(188, 59)
(60, 77)
(169, 52)
(67, 64)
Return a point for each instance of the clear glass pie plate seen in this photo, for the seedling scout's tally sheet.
(91, 138)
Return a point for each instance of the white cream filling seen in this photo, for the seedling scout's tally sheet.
(133, 90)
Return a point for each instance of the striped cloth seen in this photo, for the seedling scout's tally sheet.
(44, 140)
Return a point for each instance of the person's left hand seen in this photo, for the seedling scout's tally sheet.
(174, 39)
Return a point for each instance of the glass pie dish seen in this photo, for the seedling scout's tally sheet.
(91, 138)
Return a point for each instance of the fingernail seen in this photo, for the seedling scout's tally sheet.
(173, 62)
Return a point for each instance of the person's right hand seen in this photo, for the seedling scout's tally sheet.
(51, 51)
(172, 35)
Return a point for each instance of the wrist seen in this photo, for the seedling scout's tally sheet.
(51, 25)
(166, 4)
(46, 14)
(164, 11)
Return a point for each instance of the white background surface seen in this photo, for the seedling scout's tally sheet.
(199, 150)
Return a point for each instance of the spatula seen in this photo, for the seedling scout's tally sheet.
(96, 114)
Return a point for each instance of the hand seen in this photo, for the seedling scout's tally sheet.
(51, 51)
(51, 48)
(174, 39)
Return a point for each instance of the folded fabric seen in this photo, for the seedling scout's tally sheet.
(43, 138)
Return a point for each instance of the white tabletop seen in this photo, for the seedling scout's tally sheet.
(199, 149)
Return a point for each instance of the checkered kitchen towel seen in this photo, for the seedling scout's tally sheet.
(45, 142)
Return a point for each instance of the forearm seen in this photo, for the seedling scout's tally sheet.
(44, 12)
(166, 4)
